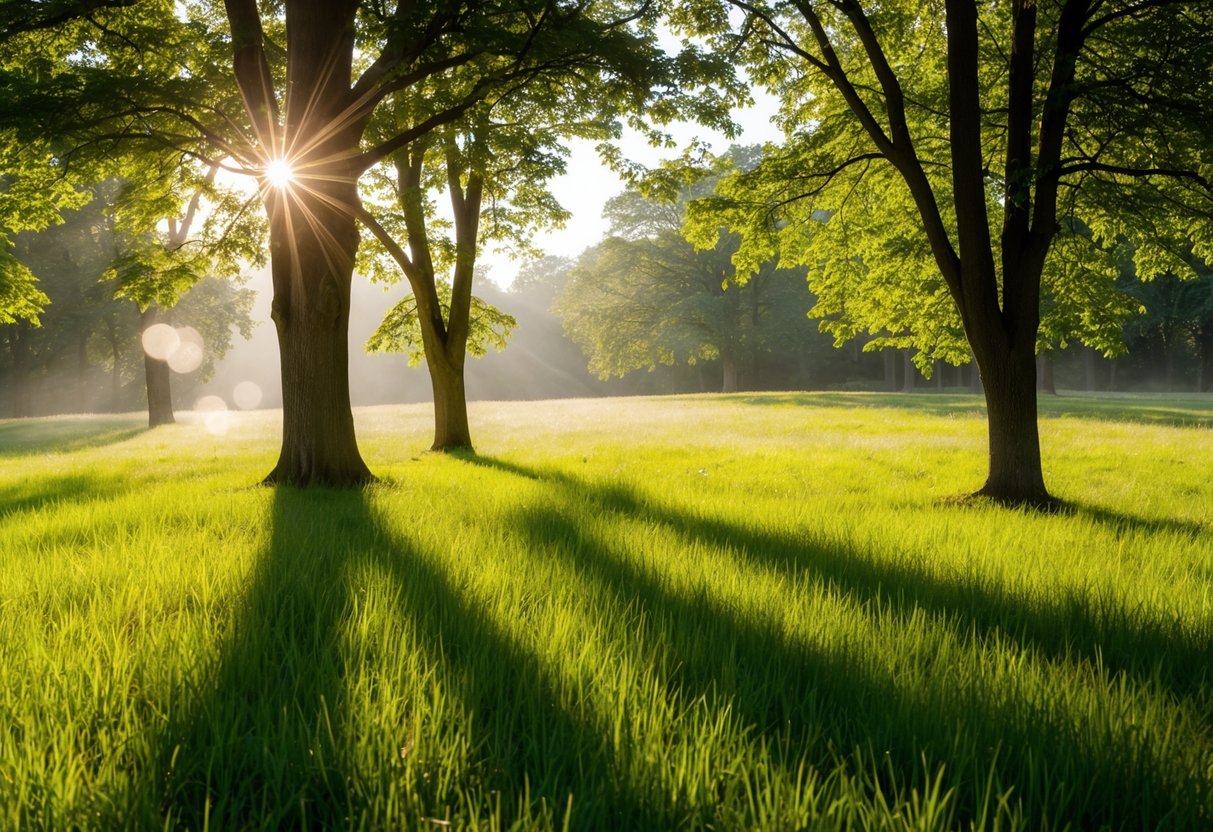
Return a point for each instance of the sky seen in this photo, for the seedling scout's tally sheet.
(587, 186)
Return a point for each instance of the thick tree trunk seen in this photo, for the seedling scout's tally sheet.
(451, 431)
(313, 234)
(157, 378)
(312, 248)
(1015, 475)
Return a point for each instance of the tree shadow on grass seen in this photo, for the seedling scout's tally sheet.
(1100, 632)
(1185, 413)
(35, 494)
(1062, 629)
(264, 746)
(64, 435)
(257, 746)
(538, 752)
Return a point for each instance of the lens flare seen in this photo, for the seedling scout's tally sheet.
(216, 418)
(279, 173)
(160, 341)
(189, 352)
(247, 395)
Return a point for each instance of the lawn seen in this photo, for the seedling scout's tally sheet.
(737, 612)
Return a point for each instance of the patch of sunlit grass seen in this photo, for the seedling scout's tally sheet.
(737, 612)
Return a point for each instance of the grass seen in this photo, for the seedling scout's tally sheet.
(749, 612)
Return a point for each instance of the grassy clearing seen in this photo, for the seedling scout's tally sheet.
(731, 612)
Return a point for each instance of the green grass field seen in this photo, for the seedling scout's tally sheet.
(747, 612)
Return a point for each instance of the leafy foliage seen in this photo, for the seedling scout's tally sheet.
(400, 330)
(645, 296)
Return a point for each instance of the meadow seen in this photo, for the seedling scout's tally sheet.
(758, 611)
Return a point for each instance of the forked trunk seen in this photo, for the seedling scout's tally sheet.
(158, 379)
(1015, 476)
(451, 431)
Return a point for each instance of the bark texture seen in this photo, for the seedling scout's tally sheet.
(1015, 475)
(451, 430)
(313, 232)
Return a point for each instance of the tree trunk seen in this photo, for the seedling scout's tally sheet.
(1204, 377)
(20, 384)
(1088, 369)
(157, 378)
(907, 379)
(728, 366)
(1044, 366)
(313, 233)
(451, 431)
(1015, 474)
(890, 370)
(312, 248)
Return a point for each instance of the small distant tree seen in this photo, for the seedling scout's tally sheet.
(164, 247)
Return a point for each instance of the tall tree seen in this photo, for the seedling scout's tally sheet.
(493, 165)
(959, 139)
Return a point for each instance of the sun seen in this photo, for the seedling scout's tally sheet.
(279, 173)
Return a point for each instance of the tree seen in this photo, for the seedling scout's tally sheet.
(88, 353)
(493, 164)
(960, 146)
(645, 297)
(155, 268)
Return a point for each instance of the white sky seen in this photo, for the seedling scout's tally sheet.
(587, 186)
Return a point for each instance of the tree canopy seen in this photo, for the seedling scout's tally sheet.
(943, 160)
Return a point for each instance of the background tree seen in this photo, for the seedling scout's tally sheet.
(645, 297)
(87, 355)
(33, 193)
(164, 246)
(960, 139)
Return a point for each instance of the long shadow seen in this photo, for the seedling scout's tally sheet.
(1182, 413)
(257, 746)
(531, 737)
(1111, 636)
(34, 495)
(1122, 522)
(24, 437)
(812, 703)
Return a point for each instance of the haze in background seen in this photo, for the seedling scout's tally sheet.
(539, 361)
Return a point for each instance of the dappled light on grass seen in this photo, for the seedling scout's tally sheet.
(577, 629)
